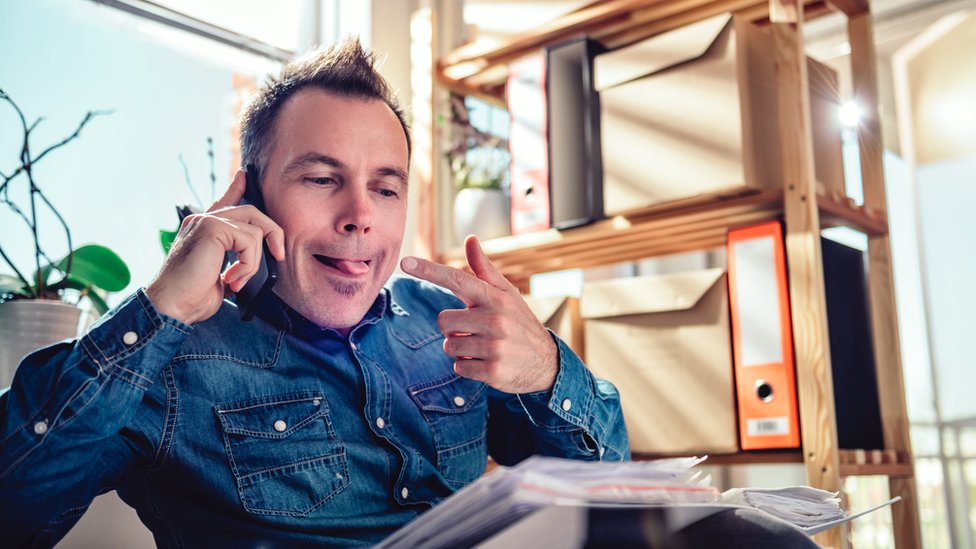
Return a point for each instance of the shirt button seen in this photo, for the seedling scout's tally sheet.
(380, 423)
(602, 450)
(130, 338)
(567, 404)
(40, 427)
(404, 492)
(459, 401)
(353, 345)
(280, 425)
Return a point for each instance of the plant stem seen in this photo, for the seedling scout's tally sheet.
(213, 173)
(186, 177)
(38, 289)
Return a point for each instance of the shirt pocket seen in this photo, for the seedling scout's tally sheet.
(456, 410)
(284, 453)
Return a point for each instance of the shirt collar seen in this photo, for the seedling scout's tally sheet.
(278, 313)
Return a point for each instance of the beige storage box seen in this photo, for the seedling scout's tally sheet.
(562, 316)
(694, 111)
(664, 342)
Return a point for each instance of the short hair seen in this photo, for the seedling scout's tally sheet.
(344, 69)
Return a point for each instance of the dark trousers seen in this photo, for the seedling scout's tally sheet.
(731, 529)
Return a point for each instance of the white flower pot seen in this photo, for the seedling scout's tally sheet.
(29, 324)
(481, 212)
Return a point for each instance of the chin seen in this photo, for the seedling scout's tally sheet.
(341, 304)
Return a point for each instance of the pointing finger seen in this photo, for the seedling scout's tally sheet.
(467, 287)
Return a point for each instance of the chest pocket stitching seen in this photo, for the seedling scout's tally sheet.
(427, 398)
(259, 486)
(454, 453)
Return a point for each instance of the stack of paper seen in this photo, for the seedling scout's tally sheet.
(800, 505)
(507, 494)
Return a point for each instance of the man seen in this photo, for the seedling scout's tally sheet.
(352, 402)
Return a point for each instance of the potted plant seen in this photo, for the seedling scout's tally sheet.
(479, 163)
(44, 307)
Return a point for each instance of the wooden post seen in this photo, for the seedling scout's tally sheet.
(884, 316)
(423, 157)
(818, 424)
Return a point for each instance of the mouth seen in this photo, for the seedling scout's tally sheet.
(350, 267)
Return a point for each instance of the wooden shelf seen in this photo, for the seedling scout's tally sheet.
(702, 223)
(741, 458)
(888, 463)
(688, 225)
(479, 69)
(852, 462)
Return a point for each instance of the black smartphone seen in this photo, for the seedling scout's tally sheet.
(258, 286)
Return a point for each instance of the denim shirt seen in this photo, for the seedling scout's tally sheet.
(273, 432)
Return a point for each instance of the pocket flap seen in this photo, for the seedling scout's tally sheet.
(451, 395)
(272, 417)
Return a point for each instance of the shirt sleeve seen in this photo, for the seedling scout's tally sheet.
(62, 419)
(580, 418)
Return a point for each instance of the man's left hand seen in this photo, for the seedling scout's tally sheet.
(496, 339)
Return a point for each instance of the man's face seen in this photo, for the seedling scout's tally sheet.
(336, 183)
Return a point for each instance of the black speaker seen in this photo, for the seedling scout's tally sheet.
(575, 169)
(851, 347)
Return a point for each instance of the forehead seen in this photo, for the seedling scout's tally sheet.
(314, 120)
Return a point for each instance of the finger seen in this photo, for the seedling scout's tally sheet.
(465, 321)
(462, 347)
(247, 243)
(234, 193)
(252, 216)
(483, 268)
(472, 368)
(467, 287)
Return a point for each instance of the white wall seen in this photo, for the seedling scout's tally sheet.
(946, 203)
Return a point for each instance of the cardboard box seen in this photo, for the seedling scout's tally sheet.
(694, 111)
(664, 342)
(562, 316)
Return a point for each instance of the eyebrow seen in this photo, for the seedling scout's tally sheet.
(311, 159)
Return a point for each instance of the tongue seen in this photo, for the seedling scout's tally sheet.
(350, 267)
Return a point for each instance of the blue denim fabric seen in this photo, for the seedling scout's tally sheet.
(273, 432)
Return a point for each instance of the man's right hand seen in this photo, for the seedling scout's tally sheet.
(190, 286)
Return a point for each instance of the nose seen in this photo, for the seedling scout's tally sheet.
(355, 213)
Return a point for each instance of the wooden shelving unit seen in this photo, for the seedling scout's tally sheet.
(687, 225)
(701, 223)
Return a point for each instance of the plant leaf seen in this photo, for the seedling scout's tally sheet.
(76, 283)
(98, 303)
(10, 284)
(98, 266)
(166, 238)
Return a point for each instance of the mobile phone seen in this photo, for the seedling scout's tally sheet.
(258, 286)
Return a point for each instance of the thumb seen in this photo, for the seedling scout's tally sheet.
(234, 194)
(483, 268)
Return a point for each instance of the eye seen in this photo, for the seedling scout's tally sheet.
(321, 180)
(388, 193)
